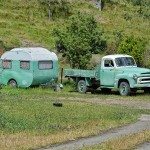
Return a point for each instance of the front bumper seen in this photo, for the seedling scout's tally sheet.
(141, 86)
(142, 82)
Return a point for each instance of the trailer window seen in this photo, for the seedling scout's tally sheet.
(45, 65)
(7, 64)
(25, 65)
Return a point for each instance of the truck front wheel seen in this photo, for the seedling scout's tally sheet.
(82, 87)
(124, 89)
(147, 90)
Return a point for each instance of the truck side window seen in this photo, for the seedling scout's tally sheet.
(108, 63)
(45, 65)
(25, 65)
(6, 64)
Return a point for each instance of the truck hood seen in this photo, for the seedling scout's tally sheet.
(135, 70)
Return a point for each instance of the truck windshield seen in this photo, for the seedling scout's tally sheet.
(125, 61)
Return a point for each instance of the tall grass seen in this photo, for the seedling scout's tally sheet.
(25, 23)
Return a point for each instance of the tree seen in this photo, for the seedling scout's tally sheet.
(79, 40)
(134, 47)
(56, 8)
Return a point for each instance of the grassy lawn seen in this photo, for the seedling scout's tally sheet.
(128, 142)
(28, 118)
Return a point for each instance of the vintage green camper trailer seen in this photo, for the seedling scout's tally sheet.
(24, 67)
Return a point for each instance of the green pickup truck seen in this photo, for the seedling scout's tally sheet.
(118, 72)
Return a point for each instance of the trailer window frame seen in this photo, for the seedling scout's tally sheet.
(45, 68)
(8, 66)
(25, 68)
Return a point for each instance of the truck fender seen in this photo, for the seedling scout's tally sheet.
(87, 80)
(118, 80)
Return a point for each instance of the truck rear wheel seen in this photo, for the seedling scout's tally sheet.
(124, 89)
(12, 83)
(82, 87)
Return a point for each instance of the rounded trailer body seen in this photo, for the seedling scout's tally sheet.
(28, 66)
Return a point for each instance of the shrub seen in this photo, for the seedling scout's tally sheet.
(134, 47)
(56, 8)
(80, 40)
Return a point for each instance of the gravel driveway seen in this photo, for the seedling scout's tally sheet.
(142, 124)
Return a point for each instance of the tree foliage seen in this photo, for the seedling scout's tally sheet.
(56, 8)
(134, 47)
(80, 39)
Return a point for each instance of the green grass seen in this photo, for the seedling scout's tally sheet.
(26, 23)
(29, 115)
(33, 110)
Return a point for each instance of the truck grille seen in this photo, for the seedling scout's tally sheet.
(143, 80)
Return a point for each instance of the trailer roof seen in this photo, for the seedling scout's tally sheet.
(33, 54)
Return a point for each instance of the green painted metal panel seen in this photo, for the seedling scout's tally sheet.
(45, 76)
(79, 73)
(109, 78)
(29, 66)
(23, 78)
(32, 76)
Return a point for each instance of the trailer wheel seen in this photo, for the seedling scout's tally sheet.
(12, 83)
(82, 87)
(124, 89)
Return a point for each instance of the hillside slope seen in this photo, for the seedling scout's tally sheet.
(25, 23)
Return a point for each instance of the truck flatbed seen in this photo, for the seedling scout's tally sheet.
(79, 73)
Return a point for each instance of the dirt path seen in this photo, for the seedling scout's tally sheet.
(145, 146)
(109, 101)
(142, 124)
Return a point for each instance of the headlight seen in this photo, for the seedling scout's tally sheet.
(135, 77)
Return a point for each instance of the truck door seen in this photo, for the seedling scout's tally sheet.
(108, 73)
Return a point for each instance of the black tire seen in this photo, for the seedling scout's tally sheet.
(124, 89)
(12, 83)
(147, 90)
(82, 87)
(133, 91)
(105, 90)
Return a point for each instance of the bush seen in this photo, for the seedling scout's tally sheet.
(134, 47)
(80, 39)
(56, 8)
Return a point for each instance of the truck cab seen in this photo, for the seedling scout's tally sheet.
(118, 72)
(121, 72)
